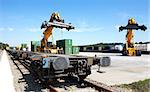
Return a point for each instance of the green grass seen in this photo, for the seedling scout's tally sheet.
(140, 86)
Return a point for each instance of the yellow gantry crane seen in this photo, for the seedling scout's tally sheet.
(129, 49)
(57, 22)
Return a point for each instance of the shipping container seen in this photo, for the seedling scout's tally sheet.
(66, 44)
(33, 48)
(118, 47)
(37, 43)
(68, 50)
(49, 44)
(95, 48)
(75, 50)
(89, 48)
(148, 47)
(84, 48)
(23, 45)
(143, 47)
(100, 48)
(34, 45)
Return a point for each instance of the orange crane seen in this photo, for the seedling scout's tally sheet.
(129, 49)
(57, 22)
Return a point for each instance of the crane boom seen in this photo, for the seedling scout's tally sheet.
(55, 21)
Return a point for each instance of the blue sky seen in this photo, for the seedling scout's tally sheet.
(95, 21)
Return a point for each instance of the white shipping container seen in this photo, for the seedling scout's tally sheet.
(143, 47)
(148, 47)
(119, 47)
(24, 49)
(84, 48)
(29, 46)
(99, 48)
(112, 48)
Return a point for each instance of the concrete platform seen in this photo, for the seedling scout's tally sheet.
(123, 69)
(6, 77)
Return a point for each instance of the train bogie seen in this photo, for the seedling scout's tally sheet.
(53, 67)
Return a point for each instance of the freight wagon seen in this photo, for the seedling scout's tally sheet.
(53, 67)
(48, 67)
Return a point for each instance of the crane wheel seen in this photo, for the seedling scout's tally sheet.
(124, 53)
(138, 53)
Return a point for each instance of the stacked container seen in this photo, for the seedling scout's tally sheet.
(75, 50)
(23, 45)
(66, 44)
(34, 45)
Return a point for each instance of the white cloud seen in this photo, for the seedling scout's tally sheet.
(34, 29)
(6, 29)
(11, 29)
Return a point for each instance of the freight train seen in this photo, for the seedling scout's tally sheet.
(48, 67)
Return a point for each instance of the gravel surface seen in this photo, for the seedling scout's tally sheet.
(23, 80)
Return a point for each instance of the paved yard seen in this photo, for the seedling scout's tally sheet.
(123, 69)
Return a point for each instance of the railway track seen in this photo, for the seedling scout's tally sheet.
(73, 85)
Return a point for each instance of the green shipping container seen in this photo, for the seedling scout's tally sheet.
(37, 43)
(23, 45)
(75, 50)
(33, 48)
(66, 44)
(34, 45)
(68, 50)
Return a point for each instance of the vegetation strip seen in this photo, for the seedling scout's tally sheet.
(139, 86)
